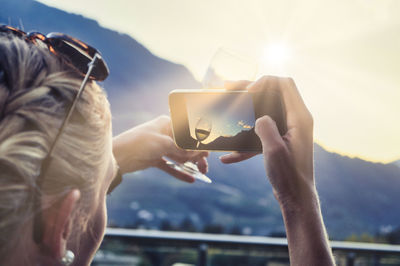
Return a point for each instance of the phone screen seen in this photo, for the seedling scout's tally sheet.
(220, 120)
(216, 121)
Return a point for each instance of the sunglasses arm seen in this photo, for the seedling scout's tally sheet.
(91, 65)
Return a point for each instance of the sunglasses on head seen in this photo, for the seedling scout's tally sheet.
(75, 53)
(85, 60)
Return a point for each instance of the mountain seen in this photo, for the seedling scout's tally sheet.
(134, 70)
(356, 196)
(397, 163)
(243, 140)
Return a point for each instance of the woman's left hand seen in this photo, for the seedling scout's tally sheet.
(145, 146)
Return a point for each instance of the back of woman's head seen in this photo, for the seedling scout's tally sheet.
(35, 90)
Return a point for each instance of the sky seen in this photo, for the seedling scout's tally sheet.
(343, 55)
(226, 115)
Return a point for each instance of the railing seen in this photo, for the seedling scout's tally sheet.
(147, 247)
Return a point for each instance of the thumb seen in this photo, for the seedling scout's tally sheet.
(268, 133)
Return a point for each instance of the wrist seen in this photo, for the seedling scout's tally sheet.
(119, 158)
(305, 228)
(121, 151)
(303, 200)
(303, 214)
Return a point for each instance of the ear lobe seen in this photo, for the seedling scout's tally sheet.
(57, 222)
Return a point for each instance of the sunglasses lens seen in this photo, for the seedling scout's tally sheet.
(9, 29)
(78, 57)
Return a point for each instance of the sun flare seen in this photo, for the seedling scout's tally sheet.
(276, 54)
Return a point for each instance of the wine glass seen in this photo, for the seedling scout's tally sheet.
(225, 65)
(188, 168)
(229, 65)
(202, 130)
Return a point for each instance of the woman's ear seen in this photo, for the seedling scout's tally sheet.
(57, 223)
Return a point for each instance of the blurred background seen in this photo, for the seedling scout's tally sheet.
(344, 57)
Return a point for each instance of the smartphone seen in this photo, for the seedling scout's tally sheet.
(221, 120)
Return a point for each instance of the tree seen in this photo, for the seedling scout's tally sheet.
(187, 225)
(166, 225)
(213, 229)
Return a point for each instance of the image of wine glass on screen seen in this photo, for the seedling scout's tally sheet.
(202, 130)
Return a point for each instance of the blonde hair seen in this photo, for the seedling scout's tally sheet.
(35, 90)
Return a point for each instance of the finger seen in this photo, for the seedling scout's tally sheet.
(175, 173)
(295, 106)
(235, 157)
(164, 125)
(299, 120)
(205, 153)
(236, 85)
(167, 130)
(262, 84)
(196, 155)
(172, 151)
(202, 164)
(268, 133)
(177, 154)
(297, 113)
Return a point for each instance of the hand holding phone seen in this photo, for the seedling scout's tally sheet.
(151, 145)
(289, 168)
(222, 120)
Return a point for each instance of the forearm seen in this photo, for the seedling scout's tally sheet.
(306, 234)
(124, 155)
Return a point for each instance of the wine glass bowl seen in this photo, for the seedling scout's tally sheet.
(228, 65)
(202, 130)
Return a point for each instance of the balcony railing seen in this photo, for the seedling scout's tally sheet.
(147, 247)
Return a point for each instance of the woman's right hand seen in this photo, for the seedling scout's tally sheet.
(289, 158)
(289, 166)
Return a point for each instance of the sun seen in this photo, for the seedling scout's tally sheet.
(276, 54)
